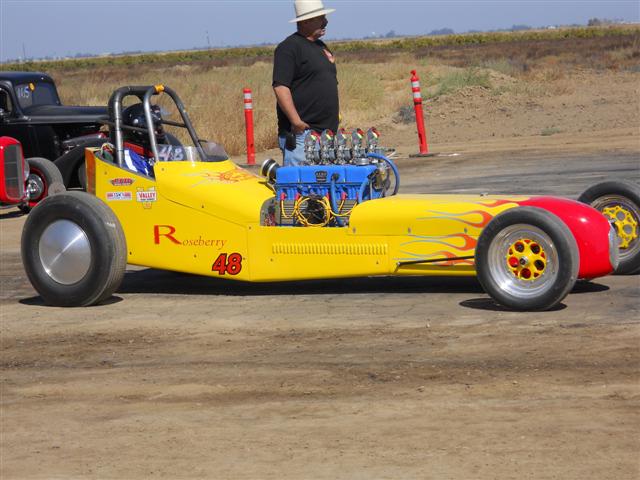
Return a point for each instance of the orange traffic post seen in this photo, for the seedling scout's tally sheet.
(248, 120)
(417, 104)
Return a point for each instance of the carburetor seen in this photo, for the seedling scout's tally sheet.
(340, 149)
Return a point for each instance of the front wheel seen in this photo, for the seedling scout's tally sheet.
(44, 179)
(73, 250)
(527, 259)
(620, 203)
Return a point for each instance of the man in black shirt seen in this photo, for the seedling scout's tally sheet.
(305, 81)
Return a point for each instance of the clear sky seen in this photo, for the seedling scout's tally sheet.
(40, 28)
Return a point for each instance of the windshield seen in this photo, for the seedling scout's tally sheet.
(179, 153)
(36, 93)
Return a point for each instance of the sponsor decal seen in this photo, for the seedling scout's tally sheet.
(167, 233)
(321, 176)
(121, 182)
(146, 197)
(119, 196)
(230, 176)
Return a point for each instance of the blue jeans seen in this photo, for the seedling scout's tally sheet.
(296, 156)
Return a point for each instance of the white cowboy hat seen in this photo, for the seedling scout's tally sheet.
(306, 9)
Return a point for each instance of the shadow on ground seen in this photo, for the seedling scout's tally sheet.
(150, 281)
(585, 286)
(10, 214)
(158, 281)
(489, 304)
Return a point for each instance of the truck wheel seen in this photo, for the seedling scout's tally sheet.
(73, 250)
(620, 202)
(44, 179)
(81, 173)
(527, 259)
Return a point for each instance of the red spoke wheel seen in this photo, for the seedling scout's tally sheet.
(527, 259)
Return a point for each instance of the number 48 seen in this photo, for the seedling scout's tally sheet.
(231, 265)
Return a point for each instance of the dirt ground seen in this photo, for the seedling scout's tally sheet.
(187, 377)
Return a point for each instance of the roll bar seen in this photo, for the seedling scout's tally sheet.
(144, 93)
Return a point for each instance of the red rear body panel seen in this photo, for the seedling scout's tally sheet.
(589, 227)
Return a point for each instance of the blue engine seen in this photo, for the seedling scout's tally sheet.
(347, 180)
(338, 173)
(323, 195)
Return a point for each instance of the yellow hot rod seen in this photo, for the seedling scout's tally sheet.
(180, 204)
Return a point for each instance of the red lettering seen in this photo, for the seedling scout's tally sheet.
(220, 265)
(157, 234)
(235, 264)
(232, 267)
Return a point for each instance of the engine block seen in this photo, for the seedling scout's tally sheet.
(317, 188)
(333, 180)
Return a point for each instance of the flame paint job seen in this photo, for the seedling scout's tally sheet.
(467, 248)
(431, 227)
(485, 217)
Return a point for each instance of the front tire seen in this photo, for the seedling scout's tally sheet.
(527, 259)
(44, 179)
(620, 203)
(73, 250)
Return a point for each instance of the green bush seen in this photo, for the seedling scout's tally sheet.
(455, 81)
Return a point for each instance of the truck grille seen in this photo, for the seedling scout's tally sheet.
(14, 172)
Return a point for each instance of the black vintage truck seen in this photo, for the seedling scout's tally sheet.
(32, 113)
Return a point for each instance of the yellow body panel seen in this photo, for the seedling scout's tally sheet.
(204, 218)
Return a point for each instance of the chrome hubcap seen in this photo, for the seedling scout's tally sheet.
(523, 261)
(35, 187)
(65, 252)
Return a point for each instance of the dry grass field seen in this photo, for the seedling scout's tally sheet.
(374, 84)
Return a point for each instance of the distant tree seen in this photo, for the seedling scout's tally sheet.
(516, 28)
(442, 31)
(391, 34)
(599, 22)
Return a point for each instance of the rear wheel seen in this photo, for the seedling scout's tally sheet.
(44, 179)
(73, 250)
(620, 203)
(527, 259)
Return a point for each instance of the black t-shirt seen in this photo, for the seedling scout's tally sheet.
(304, 67)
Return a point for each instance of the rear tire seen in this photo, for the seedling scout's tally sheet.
(73, 250)
(619, 201)
(44, 179)
(527, 259)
